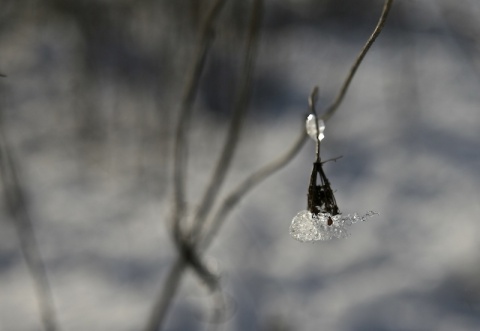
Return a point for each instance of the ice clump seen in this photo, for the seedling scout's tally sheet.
(312, 127)
(309, 227)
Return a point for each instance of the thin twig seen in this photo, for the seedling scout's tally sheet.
(343, 90)
(311, 103)
(180, 149)
(187, 254)
(247, 185)
(16, 206)
(236, 123)
(187, 249)
(168, 292)
(175, 275)
(191, 87)
(334, 159)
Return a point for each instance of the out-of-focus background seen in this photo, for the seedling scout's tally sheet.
(89, 109)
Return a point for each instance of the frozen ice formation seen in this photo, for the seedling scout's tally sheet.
(309, 227)
(322, 220)
(311, 127)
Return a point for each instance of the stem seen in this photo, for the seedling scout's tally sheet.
(168, 293)
(311, 101)
(236, 124)
(247, 185)
(343, 90)
(17, 208)
(191, 87)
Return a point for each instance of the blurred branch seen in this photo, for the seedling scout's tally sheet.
(17, 207)
(180, 148)
(223, 165)
(343, 90)
(463, 32)
(191, 87)
(236, 123)
(187, 254)
(168, 292)
(248, 184)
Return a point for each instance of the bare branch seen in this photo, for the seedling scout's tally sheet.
(17, 208)
(236, 123)
(191, 256)
(247, 185)
(311, 103)
(167, 295)
(187, 249)
(187, 252)
(169, 290)
(191, 87)
(187, 245)
(343, 90)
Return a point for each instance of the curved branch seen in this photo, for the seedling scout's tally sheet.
(180, 146)
(248, 184)
(343, 90)
(164, 300)
(236, 124)
(17, 207)
(187, 252)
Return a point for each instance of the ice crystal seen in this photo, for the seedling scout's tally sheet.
(311, 127)
(309, 227)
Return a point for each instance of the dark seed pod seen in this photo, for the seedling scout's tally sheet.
(320, 196)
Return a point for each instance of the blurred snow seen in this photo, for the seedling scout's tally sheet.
(409, 134)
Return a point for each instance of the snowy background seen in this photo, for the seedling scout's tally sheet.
(89, 107)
